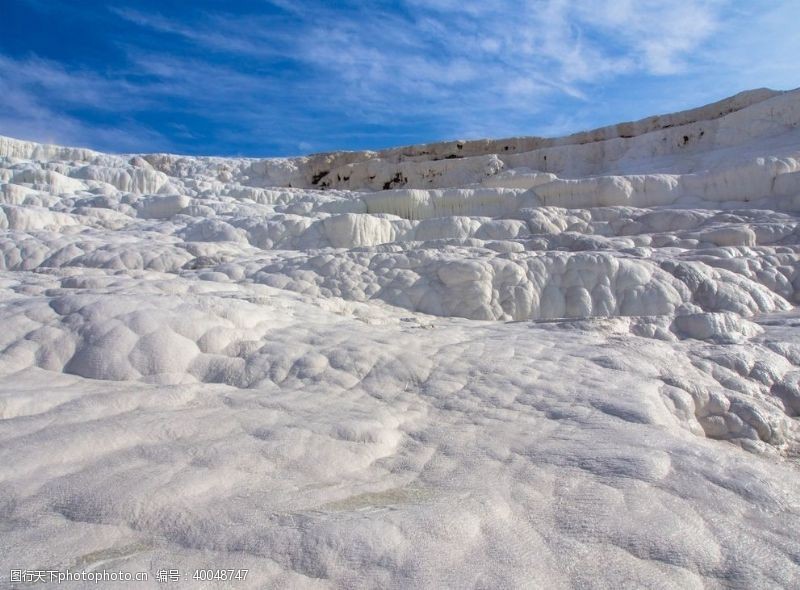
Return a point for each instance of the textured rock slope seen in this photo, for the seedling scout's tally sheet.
(567, 362)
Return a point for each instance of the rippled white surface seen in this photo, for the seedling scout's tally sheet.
(548, 363)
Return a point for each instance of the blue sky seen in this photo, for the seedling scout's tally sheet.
(283, 77)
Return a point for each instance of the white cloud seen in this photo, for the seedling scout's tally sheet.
(319, 73)
(38, 96)
(659, 34)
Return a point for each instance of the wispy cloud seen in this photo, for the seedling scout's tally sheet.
(309, 74)
(471, 65)
(42, 101)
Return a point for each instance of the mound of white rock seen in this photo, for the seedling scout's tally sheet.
(372, 368)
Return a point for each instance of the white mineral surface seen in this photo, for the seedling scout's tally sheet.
(520, 363)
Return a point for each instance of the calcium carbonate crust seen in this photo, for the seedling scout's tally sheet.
(566, 362)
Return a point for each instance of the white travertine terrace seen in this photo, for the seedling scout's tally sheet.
(529, 362)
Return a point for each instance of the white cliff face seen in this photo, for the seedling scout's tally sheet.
(566, 362)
